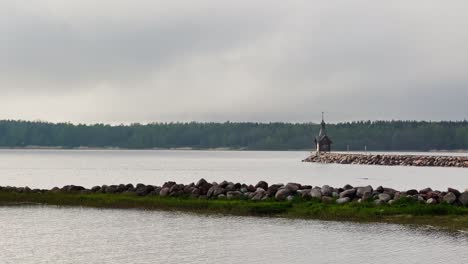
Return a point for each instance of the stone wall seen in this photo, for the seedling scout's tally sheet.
(264, 191)
(391, 160)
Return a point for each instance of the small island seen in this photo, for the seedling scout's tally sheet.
(446, 209)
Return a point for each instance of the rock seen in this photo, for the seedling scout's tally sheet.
(223, 184)
(449, 198)
(385, 197)
(350, 193)
(343, 200)
(215, 191)
(412, 192)
(454, 191)
(305, 194)
(164, 191)
(366, 196)
(431, 201)
(290, 198)
(361, 190)
(95, 189)
(262, 184)
(463, 198)
(201, 182)
(425, 190)
(281, 194)
(233, 194)
(327, 190)
(379, 189)
(347, 187)
(327, 199)
(316, 193)
(221, 196)
(391, 202)
(273, 189)
(166, 184)
(259, 194)
(292, 187)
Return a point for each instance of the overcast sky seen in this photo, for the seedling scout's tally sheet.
(123, 61)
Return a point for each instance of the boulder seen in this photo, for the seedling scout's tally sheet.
(262, 184)
(463, 198)
(292, 187)
(290, 198)
(164, 191)
(230, 187)
(385, 197)
(347, 187)
(454, 191)
(425, 190)
(343, 200)
(201, 182)
(449, 198)
(327, 190)
(431, 201)
(214, 191)
(95, 188)
(221, 196)
(273, 189)
(412, 192)
(259, 194)
(366, 196)
(281, 194)
(305, 194)
(379, 189)
(316, 193)
(361, 190)
(350, 193)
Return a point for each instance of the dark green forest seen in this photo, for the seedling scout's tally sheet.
(376, 135)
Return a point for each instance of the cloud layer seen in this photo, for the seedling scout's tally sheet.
(211, 60)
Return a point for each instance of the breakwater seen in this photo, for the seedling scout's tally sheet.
(263, 191)
(390, 160)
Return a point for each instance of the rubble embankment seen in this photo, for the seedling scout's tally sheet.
(390, 160)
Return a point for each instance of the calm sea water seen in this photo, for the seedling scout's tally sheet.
(49, 168)
(76, 235)
(45, 234)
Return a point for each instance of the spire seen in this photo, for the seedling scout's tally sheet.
(322, 126)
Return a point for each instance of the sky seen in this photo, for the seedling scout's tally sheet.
(127, 61)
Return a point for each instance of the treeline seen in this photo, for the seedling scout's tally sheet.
(376, 135)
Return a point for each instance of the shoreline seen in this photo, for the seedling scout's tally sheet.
(447, 210)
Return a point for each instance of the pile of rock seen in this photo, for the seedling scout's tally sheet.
(391, 160)
(263, 191)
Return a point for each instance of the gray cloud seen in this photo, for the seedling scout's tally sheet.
(210, 60)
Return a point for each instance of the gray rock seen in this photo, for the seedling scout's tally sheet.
(378, 202)
(454, 191)
(305, 194)
(281, 194)
(385, 197)
(316, 193)
(412, 192)
(221, 196)
(327, 199)
(450, 198)
(361, 190)
(366, 196)
(215, 191)
(347, 187)
(273, 189)
(259, 194)
(391, 202)
(343, 200)
(425, 190)
(350, 193)
(327, 190)
(431, 201)
(292, 187)
(164, 191)
(262, 184)
(335, 194)
(290, 198)
(463, 198)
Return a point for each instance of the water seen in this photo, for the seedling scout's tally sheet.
(49, 168)
(46, 234)
(77, 235)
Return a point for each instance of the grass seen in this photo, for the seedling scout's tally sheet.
(404, 211)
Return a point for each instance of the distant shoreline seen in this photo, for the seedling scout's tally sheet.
(224, 149)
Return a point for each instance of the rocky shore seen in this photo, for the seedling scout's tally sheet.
(264, 191)
(390, 160)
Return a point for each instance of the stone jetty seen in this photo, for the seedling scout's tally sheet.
(264, 191)
(390, 160)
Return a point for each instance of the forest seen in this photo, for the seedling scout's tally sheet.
(375, 135)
